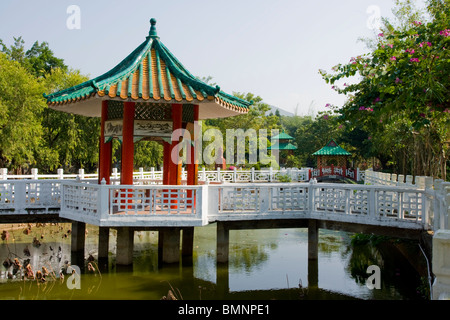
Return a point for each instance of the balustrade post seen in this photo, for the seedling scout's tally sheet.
(141, 173)
(270, 174)
(81, 173)
(204, 174)
(235, 175)
(20, 195)
(152, 173)
(115, 173)
(311, 195)
(103, 200)
(34, 173)
(4, 174)
(372, 203)
(60, 173)
(409, 180)
(400, 180)
(252, 175)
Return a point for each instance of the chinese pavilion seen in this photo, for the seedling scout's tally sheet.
(148, 95)
(282, 143)
(331, 154)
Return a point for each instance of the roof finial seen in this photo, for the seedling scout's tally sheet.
(153, 32)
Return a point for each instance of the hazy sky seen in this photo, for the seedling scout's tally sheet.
(273, 49)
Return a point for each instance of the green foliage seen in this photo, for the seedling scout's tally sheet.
(148, 154)
(255, 119)
(32, 134)
(21, 107)
(401, 103)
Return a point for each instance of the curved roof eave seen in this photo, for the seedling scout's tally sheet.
(167, 81)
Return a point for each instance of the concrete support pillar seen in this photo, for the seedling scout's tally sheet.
(103, 242)
(313, 240)
(125, 241)
(78, 236)
(187, 248)
(313, 253)
(441, 265)
(222, 281)
(223, 242)
(169, 244)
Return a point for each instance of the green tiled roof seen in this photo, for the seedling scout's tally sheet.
(282, 136)
(151, 73)
(331, 149)
(282, 146)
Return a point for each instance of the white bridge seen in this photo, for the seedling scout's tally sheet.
(380, 201)
(384, 202)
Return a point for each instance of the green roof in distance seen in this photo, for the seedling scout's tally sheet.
(331, 149)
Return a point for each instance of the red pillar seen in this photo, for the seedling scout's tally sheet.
(126, 175)
(105, 152)
(166, 164)
(192, 166)
(175, 163)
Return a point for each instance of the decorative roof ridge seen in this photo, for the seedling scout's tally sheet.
(233, 99)
(180, 71)
(135, 61)
(121, 70)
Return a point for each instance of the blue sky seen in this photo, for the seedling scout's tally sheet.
(273, 49)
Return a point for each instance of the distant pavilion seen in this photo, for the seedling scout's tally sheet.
(282, 142)
(332, 154)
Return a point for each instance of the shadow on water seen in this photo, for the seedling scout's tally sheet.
(264, 264)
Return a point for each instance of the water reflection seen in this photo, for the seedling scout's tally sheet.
(264, 264)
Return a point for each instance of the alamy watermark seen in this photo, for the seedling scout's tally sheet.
(373, 22)
(374, 280)
(241, 146)
(74, 281)
(73, 21)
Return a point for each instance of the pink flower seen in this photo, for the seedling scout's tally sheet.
(381, 34)
(327, 105)
(325, 117)
(362, 108)
(390, 45)
(422, 115)
(417, 23)
(369, 138)
(445, 33)
(393, 58)
(410, 51)
(369, 109)
(447, 110)
(397, 80)
(414, 60)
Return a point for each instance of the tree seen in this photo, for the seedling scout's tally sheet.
(21, 107)
(255, 119)
(403, 86)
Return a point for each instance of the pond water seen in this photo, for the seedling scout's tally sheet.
(263, 264)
